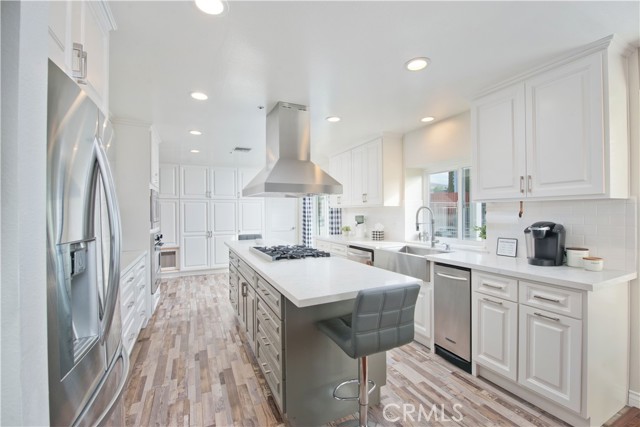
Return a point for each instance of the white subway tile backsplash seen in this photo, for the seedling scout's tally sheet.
(606, 227)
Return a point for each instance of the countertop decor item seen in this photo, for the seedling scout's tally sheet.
(346, 230)
(593, 263)
(575, 256)
(507, 247)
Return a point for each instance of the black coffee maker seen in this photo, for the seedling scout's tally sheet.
(545, 243)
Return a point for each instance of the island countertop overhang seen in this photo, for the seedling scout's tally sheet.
(315, 281)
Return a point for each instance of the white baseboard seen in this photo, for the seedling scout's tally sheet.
(634, 398)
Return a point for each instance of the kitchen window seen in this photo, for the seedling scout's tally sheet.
(449, 197)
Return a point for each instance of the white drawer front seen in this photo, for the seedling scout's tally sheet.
(323, 246)
(558, 300)
(340, 250)
(495, 284)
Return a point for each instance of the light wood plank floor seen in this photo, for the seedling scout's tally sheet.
(191, 366)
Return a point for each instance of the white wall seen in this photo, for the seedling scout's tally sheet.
(634, 300)
(24, 385)
(392, 218)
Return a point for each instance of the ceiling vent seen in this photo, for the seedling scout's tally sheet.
(241, 149)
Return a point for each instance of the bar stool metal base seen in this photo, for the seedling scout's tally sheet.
(363, 393)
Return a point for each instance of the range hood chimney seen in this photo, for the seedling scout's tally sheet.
(289, 171)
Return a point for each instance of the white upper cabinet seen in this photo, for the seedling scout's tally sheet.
(194, 182)
(79, 44)
(223, 183)
(169, 220)
(497, 122)
(559, 132)
(224, 216)
(154, 179)
(169, 181)
(340, 169)
(375, 173)
(244, 177)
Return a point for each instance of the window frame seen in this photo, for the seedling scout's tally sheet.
(459, 170)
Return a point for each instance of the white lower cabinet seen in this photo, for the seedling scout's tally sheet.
(551, 355)
(423, 315)
(133, 304)
(495, 327)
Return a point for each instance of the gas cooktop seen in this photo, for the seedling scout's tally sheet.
(278, 253)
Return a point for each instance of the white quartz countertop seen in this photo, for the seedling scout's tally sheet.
(571, 277)
(364, 243)
(314, 281)
(128, 258)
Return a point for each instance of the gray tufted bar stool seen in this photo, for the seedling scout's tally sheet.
(382, 319)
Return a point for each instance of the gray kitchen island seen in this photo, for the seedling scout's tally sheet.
(278, 304)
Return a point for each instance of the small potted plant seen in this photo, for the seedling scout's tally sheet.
(345, 230)
(482, 231)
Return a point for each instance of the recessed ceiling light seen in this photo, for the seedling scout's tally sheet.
(427, 119)
(199, 96)
(210, 7)
(417, 64)
(195, 132)
(195, 151)
(333, 119)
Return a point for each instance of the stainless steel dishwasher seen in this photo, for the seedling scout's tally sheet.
(452, 314)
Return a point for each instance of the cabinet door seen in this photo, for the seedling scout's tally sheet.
(154, 179)
(335, 170)
(220, 251)
(550, 361)
(169, 181)
(424, 310)
(223, 183)
(250, 216)
(358, 176)
(373, 174)
(496, 334)
(195, 241)
(224, 216)
(58, 23)
(250, 308)
(565, 145)
(95, 40)
(169, 222)
(194, 182)
(498, 145)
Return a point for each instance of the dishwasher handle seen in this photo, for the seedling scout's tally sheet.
(448, 276)
(356, 255)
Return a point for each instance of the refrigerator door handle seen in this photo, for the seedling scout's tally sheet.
(111, 297)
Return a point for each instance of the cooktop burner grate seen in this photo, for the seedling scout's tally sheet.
(281, 252)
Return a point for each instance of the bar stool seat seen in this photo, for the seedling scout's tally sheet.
(382, 319)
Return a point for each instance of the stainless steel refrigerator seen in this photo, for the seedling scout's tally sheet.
(87, 364)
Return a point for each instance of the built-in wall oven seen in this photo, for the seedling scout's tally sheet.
(156, 246)
(360, 254)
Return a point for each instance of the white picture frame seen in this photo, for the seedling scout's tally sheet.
(507, 247)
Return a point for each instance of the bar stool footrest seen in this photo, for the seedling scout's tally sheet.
(353, 381)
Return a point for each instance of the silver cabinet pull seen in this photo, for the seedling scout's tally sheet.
(244, 289)
(529, 185)
(522, 184)
(557, 301)
(489, 285)
(448, 276)
(450, 340)
(490, 300)
(555, 319)
(130, 279)
(80, 73)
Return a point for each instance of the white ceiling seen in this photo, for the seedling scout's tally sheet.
(339, 58)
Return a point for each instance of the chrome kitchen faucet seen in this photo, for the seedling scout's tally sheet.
(423, 236)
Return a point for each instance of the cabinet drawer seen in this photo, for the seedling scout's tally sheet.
(126, 281)
(270, 296)
(271, 324)
(233, 259)
(270, 350)
(557, 300)
(247, 272)
(340, 250)
(495, 284)
(271, 375)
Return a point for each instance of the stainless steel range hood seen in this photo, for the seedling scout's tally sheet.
(289, 171)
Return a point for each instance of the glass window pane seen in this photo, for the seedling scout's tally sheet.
(473, 214)
(443, 201)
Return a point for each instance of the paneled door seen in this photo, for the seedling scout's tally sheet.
(194, 182)
(282, 219)
(496, 331)
(551, 355)
(250, 215)
(223, 183)
(223, 216)
(195, 240)
(169, 214)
